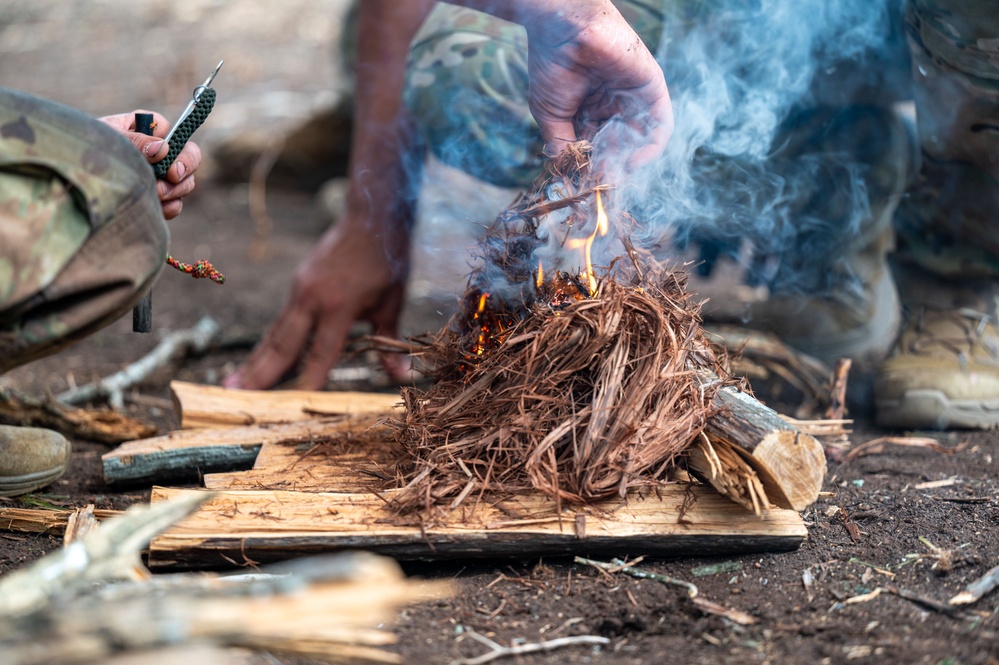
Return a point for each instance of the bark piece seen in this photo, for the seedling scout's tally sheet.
(184, 454)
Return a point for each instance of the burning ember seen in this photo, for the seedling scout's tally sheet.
(552, 381)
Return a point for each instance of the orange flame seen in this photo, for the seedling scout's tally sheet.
(540, 277)
(601, 227)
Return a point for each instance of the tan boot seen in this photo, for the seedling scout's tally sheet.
(944, 374)
(30, 458)
(944, 370)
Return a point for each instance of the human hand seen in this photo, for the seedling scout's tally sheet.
(355, 274)
(179, 179)
(587, 67)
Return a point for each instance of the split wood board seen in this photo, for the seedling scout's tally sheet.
(243, 526)
(213, 406)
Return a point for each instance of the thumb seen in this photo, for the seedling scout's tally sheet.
(556, 133)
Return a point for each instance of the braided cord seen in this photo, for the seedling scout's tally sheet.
(197, 270)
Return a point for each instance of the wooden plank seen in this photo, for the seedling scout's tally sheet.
(184, 454)
(339, 464)
(264, 526)
(213, 406)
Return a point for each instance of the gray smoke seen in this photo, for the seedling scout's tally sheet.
(769, 145)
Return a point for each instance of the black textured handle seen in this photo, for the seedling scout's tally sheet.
(184, 131)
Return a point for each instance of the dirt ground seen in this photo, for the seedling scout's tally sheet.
(877, 526)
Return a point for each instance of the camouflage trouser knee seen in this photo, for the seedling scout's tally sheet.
(949, 221)
(82, 235)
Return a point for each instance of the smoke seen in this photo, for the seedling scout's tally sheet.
(780, 127)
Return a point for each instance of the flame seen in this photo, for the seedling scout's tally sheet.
(480, 345)
(540, 278)
(601, 227)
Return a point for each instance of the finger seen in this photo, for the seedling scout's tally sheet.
(327, 344)
(386, 323)
(277, 352)
(172, 209)
(659, 129)
(170, 192)
(186, 164)
(556, 134)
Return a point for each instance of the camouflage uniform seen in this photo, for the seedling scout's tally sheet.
(949, 222)
(82, 234)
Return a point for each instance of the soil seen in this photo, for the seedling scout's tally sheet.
(875, 527)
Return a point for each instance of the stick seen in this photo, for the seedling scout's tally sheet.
(618, 566)
(837, 391)
(174, 345)
(703, 604)
(977, 589)
(102, 425)
(108, 553)
(497, 651)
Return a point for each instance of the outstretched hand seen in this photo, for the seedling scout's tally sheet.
(351, 276)
(179, 180)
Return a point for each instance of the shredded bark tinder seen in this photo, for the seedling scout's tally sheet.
(559, 383)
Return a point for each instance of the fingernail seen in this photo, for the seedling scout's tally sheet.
(153, 148)
(181, 170)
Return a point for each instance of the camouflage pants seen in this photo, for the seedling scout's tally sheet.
(82, 235)
(467, 88)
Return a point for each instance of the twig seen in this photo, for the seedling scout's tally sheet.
(618, 566)
(837, 391)
(263, 225)
(497, 651)
(706, 606)
(977, 589)
(174, 345)
(881, 443)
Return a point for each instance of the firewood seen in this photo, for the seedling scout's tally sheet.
(236, 527)
(212, 406)
(185, 454)
(73, 607)
(790, 463)
(37, 520)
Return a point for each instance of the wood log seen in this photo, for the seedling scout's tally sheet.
(790, 463)
(183, 455)
(212, 406)
(102, 425)
(236, 527)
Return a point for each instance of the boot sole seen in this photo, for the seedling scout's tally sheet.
(932, 409)
(29, 482)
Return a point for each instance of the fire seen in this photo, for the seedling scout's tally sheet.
(480, 345)
(601, 227)
(540, 278)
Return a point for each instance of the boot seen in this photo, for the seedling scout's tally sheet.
(944, 371)
(30, 458)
